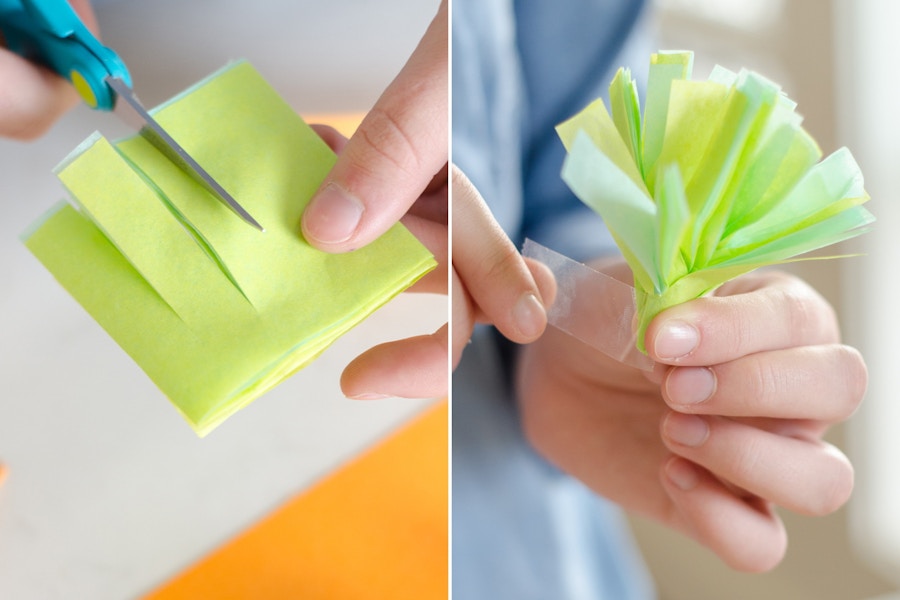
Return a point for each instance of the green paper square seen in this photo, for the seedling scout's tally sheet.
(214, 311)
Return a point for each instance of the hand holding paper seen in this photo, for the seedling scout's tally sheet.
(716, 180)
(399, 147)
(719, 178)
(215, 312)
(728, 424)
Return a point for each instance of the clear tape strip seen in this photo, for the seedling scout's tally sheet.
(592, 307)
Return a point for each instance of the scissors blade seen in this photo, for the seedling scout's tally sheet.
(164, 142)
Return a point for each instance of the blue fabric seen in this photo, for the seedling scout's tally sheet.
(521, 529)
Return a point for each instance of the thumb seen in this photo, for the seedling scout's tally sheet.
(399, 147)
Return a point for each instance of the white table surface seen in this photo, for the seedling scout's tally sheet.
(110, 491)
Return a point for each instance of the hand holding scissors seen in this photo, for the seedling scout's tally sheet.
(50, 33)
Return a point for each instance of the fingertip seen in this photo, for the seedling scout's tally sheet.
(530, 317)
(745, 533)
(686, 389)
(543, 278)
(673, 340)
(332, 218)
(333, 138)
(416, 367)
(367, 396)
(681, 473)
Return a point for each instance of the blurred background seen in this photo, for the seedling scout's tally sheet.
(836, 58)
(109, 491)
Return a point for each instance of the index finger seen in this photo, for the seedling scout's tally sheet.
(399, 147)
(759, 312)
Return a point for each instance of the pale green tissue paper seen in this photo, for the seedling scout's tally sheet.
(718, 179)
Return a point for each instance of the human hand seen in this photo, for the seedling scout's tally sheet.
(400, 146)
(414, 367)
(33, 97)
(490, 282)
(727, 426)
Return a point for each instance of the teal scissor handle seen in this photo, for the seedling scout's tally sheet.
(50, 32)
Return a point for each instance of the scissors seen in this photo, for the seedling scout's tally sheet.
(49, 32)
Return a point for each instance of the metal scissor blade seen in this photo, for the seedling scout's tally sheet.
(160, 138)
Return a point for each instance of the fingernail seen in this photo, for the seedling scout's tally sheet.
(676, 339)
(332, 216)
(691, 385)
(368, 396)
(529, 315)
(683, 474)
(687, 430)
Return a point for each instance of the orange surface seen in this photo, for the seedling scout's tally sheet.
(376, 528)
(345, 123)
